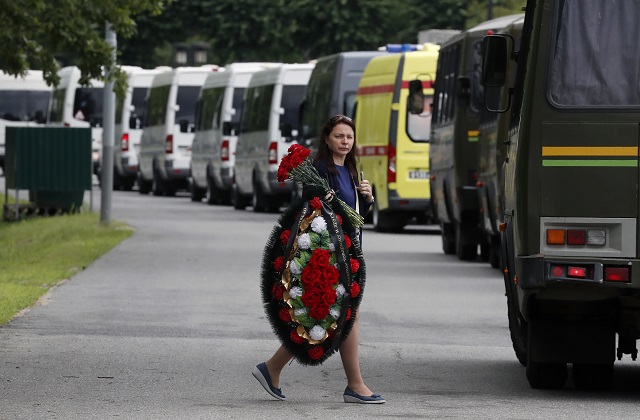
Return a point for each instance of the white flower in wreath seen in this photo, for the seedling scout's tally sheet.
(317, 332)
(334, 312)
(304, 241)
(293, 268)
(340, 290)
(295, 292)
(332, 247)
(300, 311)
(318, 225)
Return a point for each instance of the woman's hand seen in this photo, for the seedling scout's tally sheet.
(365, 189)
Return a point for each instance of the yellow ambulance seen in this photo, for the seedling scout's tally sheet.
(393, 143)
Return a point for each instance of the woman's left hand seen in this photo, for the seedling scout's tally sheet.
(365, 189)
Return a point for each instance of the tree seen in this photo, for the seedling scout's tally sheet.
(477, 10)
(34, 30)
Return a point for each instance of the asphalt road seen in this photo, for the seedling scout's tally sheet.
(169, 324)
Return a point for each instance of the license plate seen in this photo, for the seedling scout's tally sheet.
(418, 174)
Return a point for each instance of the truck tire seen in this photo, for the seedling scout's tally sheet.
(448, 238)
(546, 375)
(464, 250)
(518, 327)
(593, 377)
(144, 186)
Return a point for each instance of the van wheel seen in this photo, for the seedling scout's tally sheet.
(127, 184)
(117, 179)
(258, 199)
(239, 201)
(378, 219)
(144, 187)
(211, 193)
(157, 185)
(196, 193)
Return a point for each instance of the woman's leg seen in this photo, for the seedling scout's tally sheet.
(276, 363)
(351, 361)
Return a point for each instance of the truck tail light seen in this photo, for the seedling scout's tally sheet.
(124, 142)
(621, 274)
(169, 143)
(391, 171)
(577, 272)
(224, 150)
(556, 236)
(273, 153)
(576, 236)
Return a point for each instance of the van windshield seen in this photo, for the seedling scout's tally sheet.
(587, 68)
(87, 105)
(24, 105)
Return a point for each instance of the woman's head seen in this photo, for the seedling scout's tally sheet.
(338, 142)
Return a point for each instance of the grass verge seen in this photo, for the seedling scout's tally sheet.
(39, 252)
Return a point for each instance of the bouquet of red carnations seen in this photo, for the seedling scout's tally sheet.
(297, 166)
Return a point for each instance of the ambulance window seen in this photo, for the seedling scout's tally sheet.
(419, 125)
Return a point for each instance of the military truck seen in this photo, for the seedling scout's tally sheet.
(570, 232)
(492, 135)
(453, 153)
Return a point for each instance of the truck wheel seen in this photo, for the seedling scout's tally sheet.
(127, 184)
(239, 201)
(594, 377)
(117, 179)
(546, 375)
(448, 238)
(466, 251)
(211, 193)
(196, 193)
(494, 251)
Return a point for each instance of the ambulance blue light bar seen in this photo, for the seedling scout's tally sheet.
(399, 48)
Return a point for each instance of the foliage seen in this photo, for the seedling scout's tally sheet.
(37, 253)
(286, 31)
(477, 10)
(33, 30)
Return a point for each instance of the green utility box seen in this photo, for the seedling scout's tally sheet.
(53, 163)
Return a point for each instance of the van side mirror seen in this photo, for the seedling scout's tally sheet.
(495, 59)
(228, 128)
(286, 130)
(134, 122)
(416, 97)
(185, 127)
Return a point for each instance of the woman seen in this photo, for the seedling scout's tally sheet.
(336, 160)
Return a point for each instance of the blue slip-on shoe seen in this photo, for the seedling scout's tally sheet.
(350, 396)
(261, 373)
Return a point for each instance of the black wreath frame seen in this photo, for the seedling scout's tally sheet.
(290, 219)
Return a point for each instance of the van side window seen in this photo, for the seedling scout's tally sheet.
(208, 106)
(137, 102)
(157, 105)
(419, 125)
(23, 105)
(446, 84)
(57, 105)
(87, 105)
(257, 109)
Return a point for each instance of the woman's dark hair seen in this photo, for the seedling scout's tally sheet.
(324, 154)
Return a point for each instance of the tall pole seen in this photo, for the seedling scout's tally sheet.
(489, 9)
(108, 124)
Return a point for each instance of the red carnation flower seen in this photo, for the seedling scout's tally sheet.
(284, 236)
(355, 289)
(347, 241)
(355, 265)
(278, 264)
(315, 203)
(348, 313)
(296, 338)
(285, 315)
(316, 352)
(277, 290)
